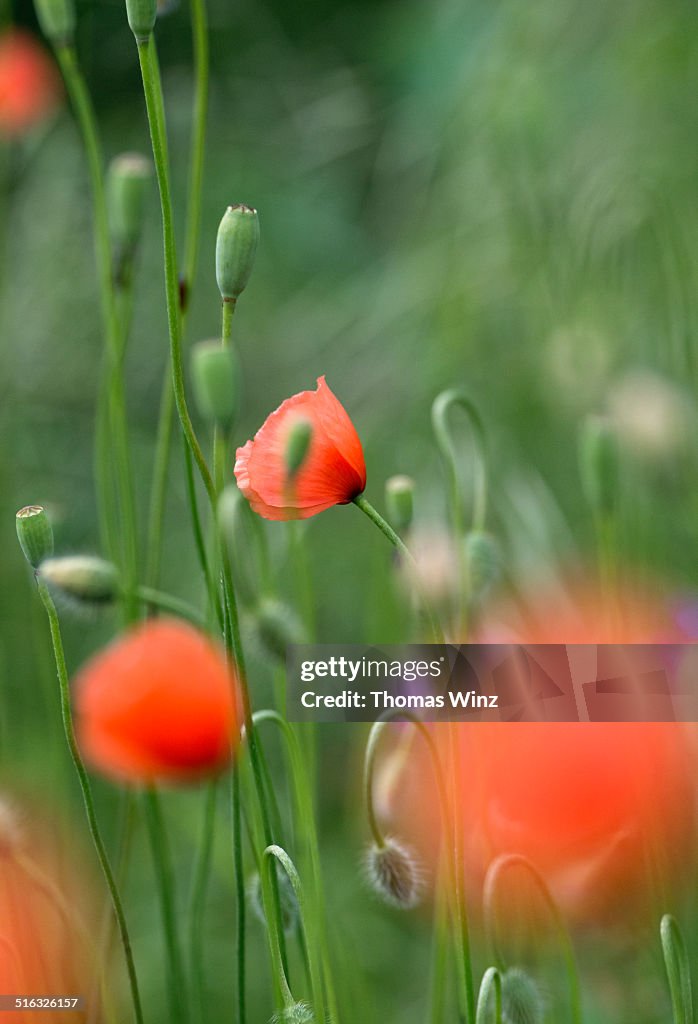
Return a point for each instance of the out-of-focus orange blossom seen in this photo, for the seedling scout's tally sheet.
(47, 923)
(29, 85)
(604, 810)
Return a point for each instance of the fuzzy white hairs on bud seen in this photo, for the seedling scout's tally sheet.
(394, 874)
(298, 1013)
(522, 1000)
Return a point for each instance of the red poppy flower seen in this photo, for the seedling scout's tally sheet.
(29, 87)
(601, 809)
(332, 473)
(159, 703)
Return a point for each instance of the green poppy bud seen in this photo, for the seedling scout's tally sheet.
(34, 533)
(599, 463)
(57, 19)
(127, 184)
(394, 874)
(288, 904)
(522, 1002)
(216, 380)
(236, 523)
(483, 563)
(399, 501)
(277, 627)
(84, 581)
(296, 1013)
(236, 246)
(298, 441)
(141, 16)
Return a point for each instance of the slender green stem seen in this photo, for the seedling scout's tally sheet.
(386, 529)
(505, 863)
(678, 970)
(464, 964)
(168, 603)
(202, 873)
(439, 967)
(177, 987)
(440, 412)
(86, 789)
(490, 991)
(113, 393)
(240, 956)
(152, 88)
(191, 249)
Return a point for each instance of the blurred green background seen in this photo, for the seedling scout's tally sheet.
(491, 194)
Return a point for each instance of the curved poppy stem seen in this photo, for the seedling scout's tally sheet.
(441, 408)
(678, 970)
(86, 789)
(397, 542)
(490, 988)
(494, 873)
(169, 603)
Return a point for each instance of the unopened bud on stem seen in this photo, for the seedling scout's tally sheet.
(57, 20)
(236, 247)
(83, 580)
(34, 533)
(141, 18)
(127, 183)
(215, 376)
(399, 502)
(394, 874)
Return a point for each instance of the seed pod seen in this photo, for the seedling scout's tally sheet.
(394, 874)
(399, 501)
(298, 441)
(34, 533)
(277, 626)
(128, 179)
(57, 20)
(141, 16)
(216, 380)
(236, 524)
(297, 1013)
(482, 563)
(84, 581)
(287, 900)
(236, 246)
(522, 1002)
(598, 464)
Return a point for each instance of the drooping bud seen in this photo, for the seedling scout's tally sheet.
(128, 179)
(394, 874)
(216, 380)
(277, 626)
(482, 562)
(298, 441)
(57, 19)
(598, 464)
(236, 523)
(141, 16)
(84, 582)
(522, 1002)
(399, 501)
(236, 246)
(34, 533)
(297, 1013)
(288, 904)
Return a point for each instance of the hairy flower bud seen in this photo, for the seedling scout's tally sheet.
(34, 533)
(84, 581)
(482, 562)
(277, 626)
(394, 874)
(236, 246)
(522, 1002)
(141, 16)
(297, 1013)
(290, 914)
(128, 179)
(399, 501)
(598, 463)
(216, 380)
(57, 19)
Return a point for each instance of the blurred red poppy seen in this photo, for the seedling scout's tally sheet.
(158, 704)
(604, 810)
(29, 85)
(332, 473)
